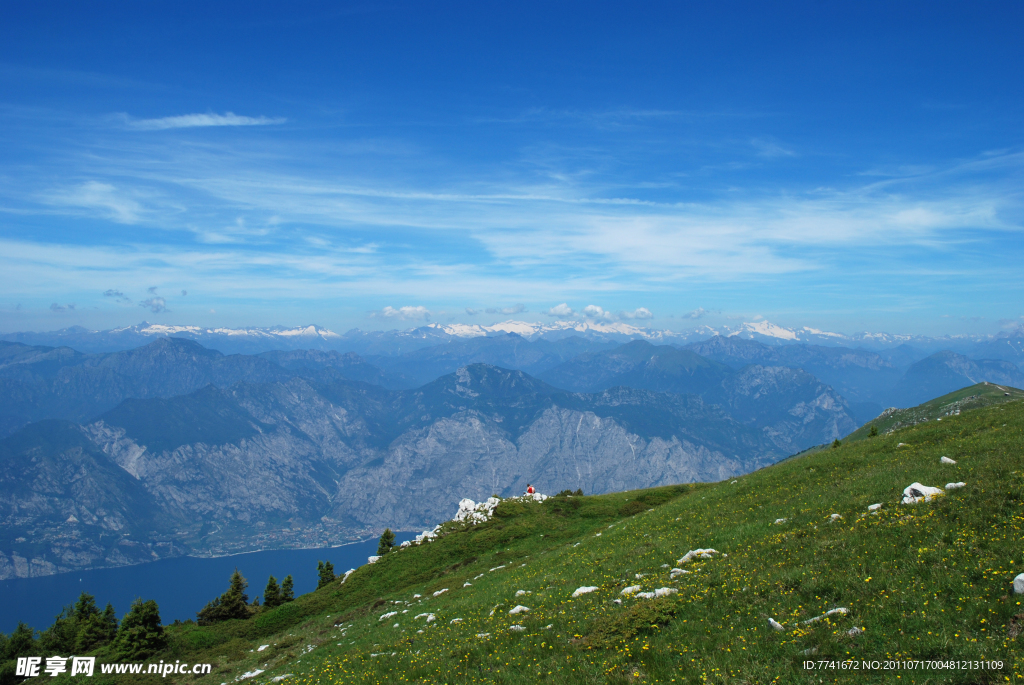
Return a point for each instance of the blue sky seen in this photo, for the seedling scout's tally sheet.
(848, 166)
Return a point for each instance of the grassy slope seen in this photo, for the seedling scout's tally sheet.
(972, 397)
(924, 581)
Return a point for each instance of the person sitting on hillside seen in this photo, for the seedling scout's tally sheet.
(529, 489)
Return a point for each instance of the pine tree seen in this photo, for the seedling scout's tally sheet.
(873, 433)
(287, 589)
(234, 603)
(92, 628)
(271, 594)
(325, 569)
(141, 634)
(836, 443)
(59, 638)
(387, 541)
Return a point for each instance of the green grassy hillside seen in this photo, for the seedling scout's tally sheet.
(925, 581)
(973, 397)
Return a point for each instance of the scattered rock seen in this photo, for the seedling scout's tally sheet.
(780, 521)
(697, 553)
(617, 601)
(954, 486)
(440, 592)
(516, 628)
(483, 635)
(518, 609)
(584, 590)
(903, 444)
(645, 595)
(455, 620)
(810, 652)
(261, 648)
(830, 612)
(630, 590)
(875, 507)
(775, 624)
(834, 517)
(665, 591)
(1018, 585)
(915, 492)
(676, 572)
(946, 460)
(382, 617)
(854, 631)
(373, 560)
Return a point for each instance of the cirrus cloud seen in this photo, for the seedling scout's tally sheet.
(200, 121)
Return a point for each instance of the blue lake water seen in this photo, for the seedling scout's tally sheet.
(181, 586)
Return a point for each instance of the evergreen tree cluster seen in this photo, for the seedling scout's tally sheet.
(234, 603)
(82, 629)
(325, 569)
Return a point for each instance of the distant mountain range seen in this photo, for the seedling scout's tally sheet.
(1008, 346)
(171, 447)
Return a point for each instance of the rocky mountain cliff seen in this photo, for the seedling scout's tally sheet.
(294, 462)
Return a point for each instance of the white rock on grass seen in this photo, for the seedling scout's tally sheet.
(1018, 585)
(835, 517)
(946, 460)
(780, 521)
(440, 592)
(632, 589)
(483, 635)
(665, 591)
(875, 507)
(467, 584)
(261, 648)
(516, 628)
(429, 617)
(520, 593)
(676, 572)
(697, 553)
(775, 624)
(830, 612)
(955, 486)
(518, 609)
(373, 560)
(645, 595)
(384, 616)
(854, 631)
(455, 620)
(584, 590)
(915, 492)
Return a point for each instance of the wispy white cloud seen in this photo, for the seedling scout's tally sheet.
(100, 198)
(768, 147)
(199, 121)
